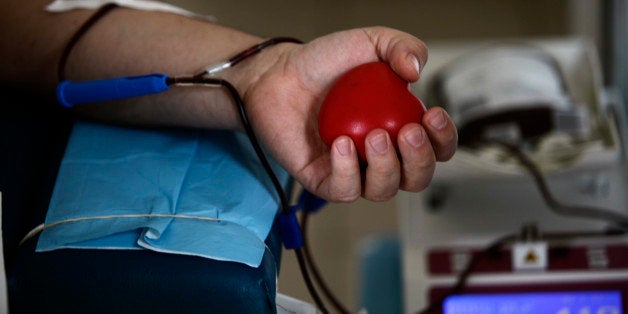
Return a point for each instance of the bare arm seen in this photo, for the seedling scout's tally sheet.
(126, 42)
(282, 88)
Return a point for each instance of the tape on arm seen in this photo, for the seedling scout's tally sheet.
(146, 5)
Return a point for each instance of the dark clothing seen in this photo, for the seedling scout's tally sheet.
(33, 136)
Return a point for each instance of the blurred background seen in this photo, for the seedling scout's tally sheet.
(340, 233)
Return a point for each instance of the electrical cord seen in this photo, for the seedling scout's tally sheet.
(474, 139)
(554, 205)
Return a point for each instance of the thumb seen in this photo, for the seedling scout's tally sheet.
(406, 54)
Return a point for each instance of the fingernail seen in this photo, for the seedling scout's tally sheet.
(415, 61)
(415, 137)
(439, 121)
(379, 143)
(343, 146)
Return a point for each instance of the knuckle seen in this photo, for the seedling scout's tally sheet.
(416, 186)
(344, 197)
(447, 152)
(382, 197)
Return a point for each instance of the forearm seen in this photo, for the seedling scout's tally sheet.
(130, 42)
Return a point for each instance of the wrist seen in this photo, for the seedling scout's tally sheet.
(268, 61)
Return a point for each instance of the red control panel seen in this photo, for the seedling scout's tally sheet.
(571, 270)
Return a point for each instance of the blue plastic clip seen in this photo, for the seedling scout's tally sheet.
(70, 94)
(310, 202)
(290, 230)
(288, 223)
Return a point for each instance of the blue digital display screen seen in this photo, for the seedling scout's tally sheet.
(580, 302)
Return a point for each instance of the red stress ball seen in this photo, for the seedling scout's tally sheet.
(367, 97)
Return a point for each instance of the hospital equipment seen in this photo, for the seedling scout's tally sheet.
(484, 237)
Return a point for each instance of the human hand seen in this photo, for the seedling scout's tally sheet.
(284, 101)
(283, 88)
